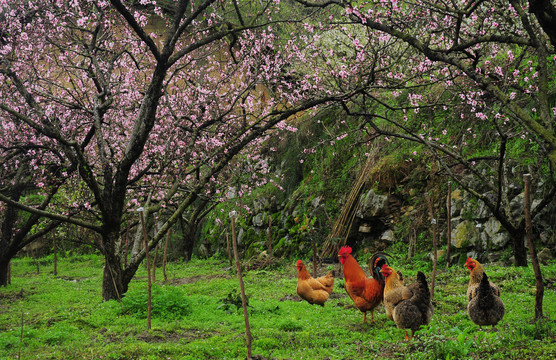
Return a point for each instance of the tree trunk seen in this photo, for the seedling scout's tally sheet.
(113, 286)
(189, 241)
(449, 223)
(242, 289)
(434, 242)
(4, 272)
(533, 252)
(114, 283)
(520, 252)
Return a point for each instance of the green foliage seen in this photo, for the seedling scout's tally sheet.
(168, 302)
(232, 299)
(64, 317)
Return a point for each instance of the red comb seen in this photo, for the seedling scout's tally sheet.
(344, 250)
(384, 266)
(299, 262)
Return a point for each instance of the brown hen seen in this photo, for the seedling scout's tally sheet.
(314, 291)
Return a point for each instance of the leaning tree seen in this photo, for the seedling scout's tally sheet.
(145, 104)
(471, 82)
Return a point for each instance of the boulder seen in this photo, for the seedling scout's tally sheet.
(493, 257)
(498, 237)
(455, 221)
(465, 234)
(388, 236)
(545, 256)
(472, 254)
(258, 220)
(547, 238)
(492, 227)
(500, 240)
(517, 206)
(439, 254)
(316, 202)
(456, 203)
(372, 205)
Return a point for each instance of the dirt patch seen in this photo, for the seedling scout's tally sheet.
(7, 299)
(12, 296)
(72, 279)
(291, 298)
(297, 298)
(194, 279)
(337, 296)
(163, 336)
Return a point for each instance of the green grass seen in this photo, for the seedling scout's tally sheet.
(62, 317)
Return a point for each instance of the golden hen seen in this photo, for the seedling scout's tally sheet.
(314, 291)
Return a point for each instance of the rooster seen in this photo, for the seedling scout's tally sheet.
(486, 308)
(314, 291)
(365, 292)
(409, 307)
(475, 277)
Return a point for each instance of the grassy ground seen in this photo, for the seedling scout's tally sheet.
(62, 317)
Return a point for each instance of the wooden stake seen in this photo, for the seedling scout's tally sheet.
(228, 248)
(270, 236)
(241, 286)
(154, 262)
(434, 252)
(34, 259)
(126, 242)
(165, 256)
(532, 251)
(149, 284)
(55, 254)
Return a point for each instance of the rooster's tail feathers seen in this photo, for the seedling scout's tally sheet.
(376, 263)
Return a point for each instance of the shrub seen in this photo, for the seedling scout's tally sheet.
(167, 303)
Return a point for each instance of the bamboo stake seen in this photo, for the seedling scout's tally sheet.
(532, 251)
(241, 286)
(165, 256)
(55, 254)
